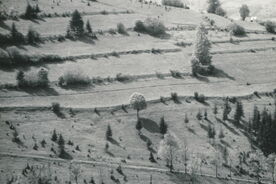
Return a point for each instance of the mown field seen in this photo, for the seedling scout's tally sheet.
(244, 69)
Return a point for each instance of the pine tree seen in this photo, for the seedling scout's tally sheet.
(29, 12)
(199, 116)
(256, 119)
(88, 27)
(61, 141)
(108, 133)
(54, 136)
(239, 112)
(202, 46)
(76, 24)
(186, 120)
(16, 36)
(226, 110)
(163, 126)
(215, 109)
(205, 115)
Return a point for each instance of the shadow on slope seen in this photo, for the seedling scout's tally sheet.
(150, 125)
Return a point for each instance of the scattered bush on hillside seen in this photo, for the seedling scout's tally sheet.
(244, 11)
(33, 37)
(56, 110)
(270, 26)
(175, 3)
(121, 29)
(176, 74)
(175, 98)
(151, 26)
(74, 77)
(236, 30)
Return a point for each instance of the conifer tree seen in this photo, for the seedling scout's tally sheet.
(213, 5)
(61, 141)
(186, 120)
(202, 46)
(76, 24)
(205, 115)
(215, 109)
(226, 110)
(54, 136)
(16, 36)
(88, 27)
(256, 119)
(163, 126)
(239, 112)
(108, 134)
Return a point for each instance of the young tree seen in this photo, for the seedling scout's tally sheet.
(29, 12)
(215, 110)
(138, 102)
(256, 119)
(186, 119)
(163, 126)
(244, 11)
(205, 115)
(168, 149)
(61, 141)
(108, 133)
(20, 78)
(139, 126)
(226, 110)
(54, 136)
(33, 36)
(88, 27)
(76, 24)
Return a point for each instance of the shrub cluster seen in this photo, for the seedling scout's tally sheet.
(175, 3)
(34, 79)
(74, 77)
(151, 26)
(200, 98)
(270, 26)
(237, 30)
(121, 29)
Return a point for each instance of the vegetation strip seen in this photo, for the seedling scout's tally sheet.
(125, 165)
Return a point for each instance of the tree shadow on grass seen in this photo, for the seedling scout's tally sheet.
(48, 91)
(4, 26)
(147, 140)
(221, 74)
(114, 142)
(228, 127)
(225, 143)
(150, 125)
(202, 78)
(179, 178)
(191, 130)
(78, 87)
(204, 127)
(110, 154)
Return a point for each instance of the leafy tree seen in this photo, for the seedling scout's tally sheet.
(168, 149)
(220, 11)
(88, 27)
(76, 24)
(163, 126)
(138, 102)
(54, 136)
(244, 11)
(108, 133)
(270, 26)
(213, 5)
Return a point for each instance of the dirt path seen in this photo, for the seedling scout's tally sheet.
(123, 165)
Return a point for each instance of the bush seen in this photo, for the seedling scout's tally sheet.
(174, 97)
(33, 37)
(121, 29)
(123, 78)
(74, 77)
(270, 26)
(176, 74)
(112, 31)
(56, 110)
(5, 59)
(220, 12)
(36, 79)
(237, 30)
(151, 26)
(175, 3)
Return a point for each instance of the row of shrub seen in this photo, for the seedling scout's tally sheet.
(77, 77)
(13, 56)
(33, 79)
